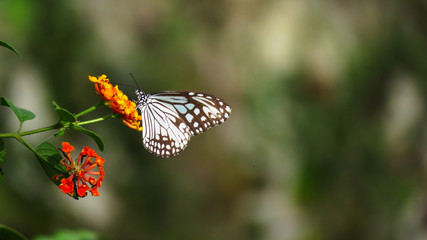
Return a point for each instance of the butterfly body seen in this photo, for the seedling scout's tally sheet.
(170, 118)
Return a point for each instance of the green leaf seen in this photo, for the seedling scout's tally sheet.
(22, 114)
(93, 135)
(71, 235)
(60, 133)
(64, 114)
(2, 157)
(10, 234)
(49, 158)
(6, 45)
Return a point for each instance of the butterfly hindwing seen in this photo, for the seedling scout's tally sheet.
(164, 133)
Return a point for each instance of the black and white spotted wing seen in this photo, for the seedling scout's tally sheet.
(169, 119)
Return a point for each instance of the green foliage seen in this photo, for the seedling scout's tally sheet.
(71, 235)
(6, 45)
(47, 155)
(66, 119)
(49, 159)
(10, 234)
(64, 115)
(22, 114)
(92, 135)
(60, 133)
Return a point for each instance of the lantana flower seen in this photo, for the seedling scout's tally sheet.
(117, 101)
(85, 174)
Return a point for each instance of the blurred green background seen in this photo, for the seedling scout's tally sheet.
(327, 138)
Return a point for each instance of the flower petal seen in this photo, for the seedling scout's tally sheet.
(117, 101)
(85, 174)
(67, 186)
(67, 147)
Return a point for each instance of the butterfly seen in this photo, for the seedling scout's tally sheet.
(170, 118)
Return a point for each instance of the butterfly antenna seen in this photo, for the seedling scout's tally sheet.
(125, 85)
(135, 81)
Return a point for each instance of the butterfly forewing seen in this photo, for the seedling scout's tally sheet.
(199, 110)
(169, 119)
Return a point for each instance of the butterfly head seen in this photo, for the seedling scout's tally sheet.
(142, 98)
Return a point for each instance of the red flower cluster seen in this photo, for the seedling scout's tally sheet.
(81, 172)
(117, 101)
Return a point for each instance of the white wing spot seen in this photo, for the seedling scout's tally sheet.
(196, 124)
(191, 93)
(180, 108)
(203, 118)
(189, 106)
(189, 117)
(196, 111)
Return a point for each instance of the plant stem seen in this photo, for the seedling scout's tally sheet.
(52, 127)
(7, 135)
(44, 129)
(96, 119)
(100, 103)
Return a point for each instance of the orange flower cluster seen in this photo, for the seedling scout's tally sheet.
(117, 101)
(82, 172)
